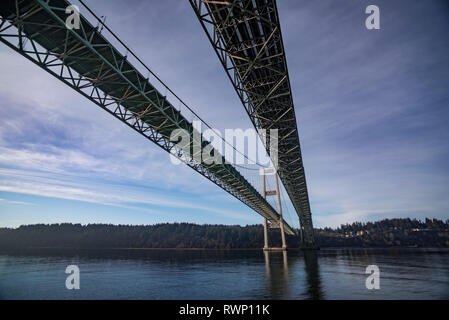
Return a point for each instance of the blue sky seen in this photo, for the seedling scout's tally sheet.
(372, 109)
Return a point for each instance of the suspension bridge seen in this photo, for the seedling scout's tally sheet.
(247, 39)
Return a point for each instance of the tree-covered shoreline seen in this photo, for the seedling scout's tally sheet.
(385, 233)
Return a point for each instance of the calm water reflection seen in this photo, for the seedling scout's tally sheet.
(176, 274)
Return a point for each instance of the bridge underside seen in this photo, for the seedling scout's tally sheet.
(246, 36)
(87, 62)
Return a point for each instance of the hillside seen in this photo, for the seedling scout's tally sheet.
(385, 233)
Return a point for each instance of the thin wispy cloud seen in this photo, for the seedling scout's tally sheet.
(109, 194)
(15, 202)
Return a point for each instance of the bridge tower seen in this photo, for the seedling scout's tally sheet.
(274, 224)
(247, 39)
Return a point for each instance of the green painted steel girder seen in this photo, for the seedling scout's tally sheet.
(87, 62)
(246, 36)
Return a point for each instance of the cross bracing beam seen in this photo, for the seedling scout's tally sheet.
(85, 60)
(247, 39)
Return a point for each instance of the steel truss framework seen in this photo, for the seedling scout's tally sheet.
(84, 60)
(247, 39)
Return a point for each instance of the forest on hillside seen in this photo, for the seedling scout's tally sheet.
(385, 233)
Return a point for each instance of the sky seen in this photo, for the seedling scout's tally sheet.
(372, 109)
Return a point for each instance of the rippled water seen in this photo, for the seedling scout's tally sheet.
(175, 274)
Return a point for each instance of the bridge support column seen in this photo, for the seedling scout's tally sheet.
(265, 234)
(281, 220)
(265, 222)
(301, 236)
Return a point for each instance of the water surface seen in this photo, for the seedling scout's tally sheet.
(190, 274)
